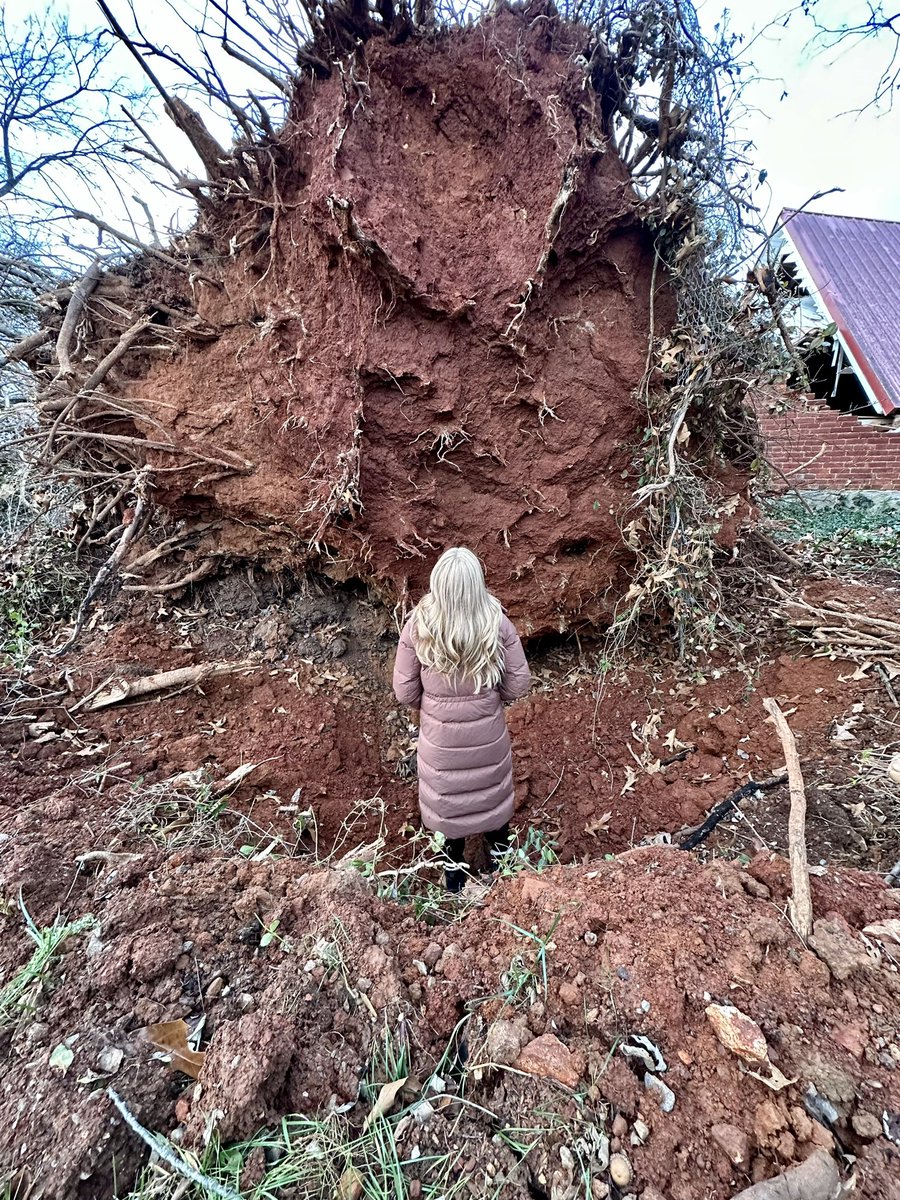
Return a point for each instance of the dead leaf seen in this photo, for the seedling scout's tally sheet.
(350, 1185)
(600, 825)
(776, 1081)
(237, 776)
(62, 1058)
(171, 1036)
(630, 780)
(385, 1101)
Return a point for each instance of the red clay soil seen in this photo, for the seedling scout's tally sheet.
(439, 341)
(638, 945)
(641, 945)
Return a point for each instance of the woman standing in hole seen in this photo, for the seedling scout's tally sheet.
(459, 659)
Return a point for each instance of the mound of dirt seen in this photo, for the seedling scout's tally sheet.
(436, 338)
(293, 1022)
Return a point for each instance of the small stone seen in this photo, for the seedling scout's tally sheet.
(569, 995)
(733, 1142)
(866, 1125)
(433, 952)
(738, 1032)
(620, 1171)
(182, 1109)
(850, 1037)
(566, 1158)
(822, 1137)
(599, 1189)
(94, 946)
(590, 938)
(214, 987)
(639, 1133)
(109, 1060)
(663, 1093)
(768, 1122)
(38, 1032)
(382, 938)
(548, 1058)
(619, 1126)
(841, 952)
(504, 1042)
(801, 1124)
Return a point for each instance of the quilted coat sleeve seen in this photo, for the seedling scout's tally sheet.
(407, 671)
(516, 675)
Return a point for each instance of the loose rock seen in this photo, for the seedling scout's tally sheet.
(548, 1058)
(733, 1142)
(841, 952)
(504, 1042)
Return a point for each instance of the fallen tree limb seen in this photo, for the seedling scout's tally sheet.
(815, 1179)
(129, 689)
(801, 899)
(724, 807)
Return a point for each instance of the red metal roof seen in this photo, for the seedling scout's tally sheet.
(854, 264)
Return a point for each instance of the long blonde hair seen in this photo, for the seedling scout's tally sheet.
(458, 622)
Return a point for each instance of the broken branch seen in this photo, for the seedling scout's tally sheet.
(801, 900)
(129, 689)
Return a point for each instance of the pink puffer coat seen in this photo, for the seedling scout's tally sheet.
(464, 756)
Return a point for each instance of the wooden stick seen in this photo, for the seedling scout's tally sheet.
(128, 689)
(801, 900)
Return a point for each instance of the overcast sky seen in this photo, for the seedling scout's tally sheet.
(803, 141)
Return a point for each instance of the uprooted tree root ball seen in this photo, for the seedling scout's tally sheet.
(470, 283)
(432, 313)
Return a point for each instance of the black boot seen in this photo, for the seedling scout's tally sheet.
(497, 845)
(455, 880)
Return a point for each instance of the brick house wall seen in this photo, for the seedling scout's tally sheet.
(817, 447)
